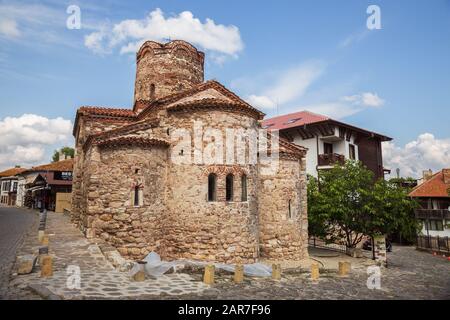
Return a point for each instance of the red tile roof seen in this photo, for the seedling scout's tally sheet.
(11, 172)
(301, 118)
(433, 187)
(293, 120)
(125, 141)
(63, 165)
(103, 111)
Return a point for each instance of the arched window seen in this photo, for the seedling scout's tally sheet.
(152, 91)
(136, 196)
(244, 188)
(212, 182)
(229, 187)
(290, 210)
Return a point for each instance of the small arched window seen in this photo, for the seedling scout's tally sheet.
(244, 188)
(136, 196)
(152, 91)
(229, 187)
(289, 210)
(212, 182)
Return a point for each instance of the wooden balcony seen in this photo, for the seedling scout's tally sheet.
(330, 159)
(439, 214)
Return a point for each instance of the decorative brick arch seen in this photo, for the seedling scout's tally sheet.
(224, 170)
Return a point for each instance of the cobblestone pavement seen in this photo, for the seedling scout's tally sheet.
(14, 224)
(98, 278)
(411, 275)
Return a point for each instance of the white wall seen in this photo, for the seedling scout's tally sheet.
(341, 147)
(433, 233)
(311, 155)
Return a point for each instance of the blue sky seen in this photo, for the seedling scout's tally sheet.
(316, 55)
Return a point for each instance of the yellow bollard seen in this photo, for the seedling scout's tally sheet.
(344, 268)
(45, 240)
(41, 234)
(208, 277)
(315, 271)
(239, 273)
(139, 276)
(276, 272)
(46, 266)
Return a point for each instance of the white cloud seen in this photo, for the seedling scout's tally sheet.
(29, 139)
(346, 106)
(426, 152)
(367, 99)
(130, 34)
(335, 110)
(8, 28)
(288, 86)
(354, 38)
(262, 102)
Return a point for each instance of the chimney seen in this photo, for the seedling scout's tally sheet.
(427, 174)
(62, 156)
(446, 174)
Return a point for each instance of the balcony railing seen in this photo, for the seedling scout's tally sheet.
(440, 214)
(330, 159)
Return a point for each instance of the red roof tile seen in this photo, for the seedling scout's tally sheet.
(63, 165)
(114, 112)
(433, 187)
(11, 172)
(293, 120)
(301, 118)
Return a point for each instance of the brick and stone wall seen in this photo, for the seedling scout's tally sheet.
(169, 68)
(284, 232)
(174, 216)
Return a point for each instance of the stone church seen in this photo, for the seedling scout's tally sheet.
(130, 191)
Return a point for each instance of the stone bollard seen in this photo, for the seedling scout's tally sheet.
(239, 273)
(344, 268)
(41, 234)
(276, 272)
(46, 266)
(208, 277)
(140, 275)
(315, 271)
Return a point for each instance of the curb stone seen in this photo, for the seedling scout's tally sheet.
(43, 292)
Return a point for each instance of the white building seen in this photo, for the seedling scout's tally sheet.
(330, 141)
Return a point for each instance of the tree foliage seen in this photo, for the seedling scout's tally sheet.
(68, 151)
(346, 204)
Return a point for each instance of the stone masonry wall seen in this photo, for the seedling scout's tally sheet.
(112, 215)
(284, 237)
(170, 69)
(87, 126)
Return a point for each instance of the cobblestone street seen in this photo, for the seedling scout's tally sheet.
(14, 224)
(411, 274)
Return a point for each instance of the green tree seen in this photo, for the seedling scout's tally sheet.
(346, 204)
(392, 210)
(68, 151)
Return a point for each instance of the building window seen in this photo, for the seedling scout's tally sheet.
(328, 148)
(244, 188)
(289, 209)
(212, 181)
(136, 196)
(15, 187)
(352, 152)
(152, 91)
(229, 187)
(434, 225)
